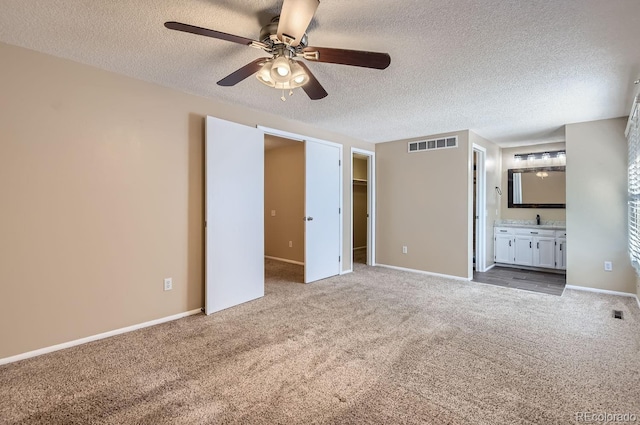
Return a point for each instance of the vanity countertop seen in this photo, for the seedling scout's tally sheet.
(551, 225)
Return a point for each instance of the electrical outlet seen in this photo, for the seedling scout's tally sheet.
(290, 244)
(608, 266)
(273, 213)
(404, 249)
(168, 284)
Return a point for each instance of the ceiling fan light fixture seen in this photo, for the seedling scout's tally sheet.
(298, 76)
(280, 69)
(264, 75)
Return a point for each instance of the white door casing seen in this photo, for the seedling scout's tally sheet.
(234, 214)
(481, 209)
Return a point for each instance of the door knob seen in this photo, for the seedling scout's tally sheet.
(309, 218)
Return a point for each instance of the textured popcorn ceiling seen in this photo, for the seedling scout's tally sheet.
(512, 71)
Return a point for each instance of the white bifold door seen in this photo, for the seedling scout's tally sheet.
(322, 211)
(234, 215)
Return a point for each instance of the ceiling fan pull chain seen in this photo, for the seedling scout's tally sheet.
(284, 99)
(290, 92)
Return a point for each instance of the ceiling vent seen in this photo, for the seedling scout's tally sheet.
(433, 144)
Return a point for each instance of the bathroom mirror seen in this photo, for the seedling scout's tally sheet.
(541, 187)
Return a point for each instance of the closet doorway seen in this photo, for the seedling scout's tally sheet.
(303, 203)
(363, 207)
(284, 178)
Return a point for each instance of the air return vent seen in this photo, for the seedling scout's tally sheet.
(432, 144)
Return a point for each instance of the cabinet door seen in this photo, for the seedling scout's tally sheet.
(524, 250)
(544, 252)
(503, 249)
(561, 253)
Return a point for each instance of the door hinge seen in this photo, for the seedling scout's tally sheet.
(339, 162)
(339, 258)
(205, 223)
(339, 210)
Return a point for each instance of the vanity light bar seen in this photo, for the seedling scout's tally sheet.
(540, 155)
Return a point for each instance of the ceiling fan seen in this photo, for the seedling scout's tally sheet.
(285, 39)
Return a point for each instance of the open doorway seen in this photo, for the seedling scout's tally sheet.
(284, 177)
(479, 202)
(363, 207)
(303, 203)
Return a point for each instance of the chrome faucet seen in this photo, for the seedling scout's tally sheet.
(538, 219)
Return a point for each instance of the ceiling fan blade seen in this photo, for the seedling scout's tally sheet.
(242, 73)
(313, 88)
(295, 17)
(210, 33)
(347, 57)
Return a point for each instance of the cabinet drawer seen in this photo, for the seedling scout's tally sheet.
(503, 231)
(561, 233)
(535, 232)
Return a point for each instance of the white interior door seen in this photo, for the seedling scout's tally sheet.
(322, 211)
(234, 188)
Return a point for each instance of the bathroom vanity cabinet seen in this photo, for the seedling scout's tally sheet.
(532, 246)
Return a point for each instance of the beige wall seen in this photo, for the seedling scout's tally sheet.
(359, 203)
(359, 168)
(101, 178)
(284, 193)
(597, 206)
(526, 213)
(422, 203)
(493, 161)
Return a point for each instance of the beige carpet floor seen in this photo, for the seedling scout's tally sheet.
(375, 346)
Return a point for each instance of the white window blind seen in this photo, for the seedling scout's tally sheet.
(634, 185)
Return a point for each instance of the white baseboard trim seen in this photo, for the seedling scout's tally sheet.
(284, 260)
(360, 248)
(601, 291)
(404, 269)
(487, 269)
(92, 338)
(346, 272)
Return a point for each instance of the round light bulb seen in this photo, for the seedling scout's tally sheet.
(280, 70)
(298, 76)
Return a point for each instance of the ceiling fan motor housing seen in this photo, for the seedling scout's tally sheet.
(269, 35)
